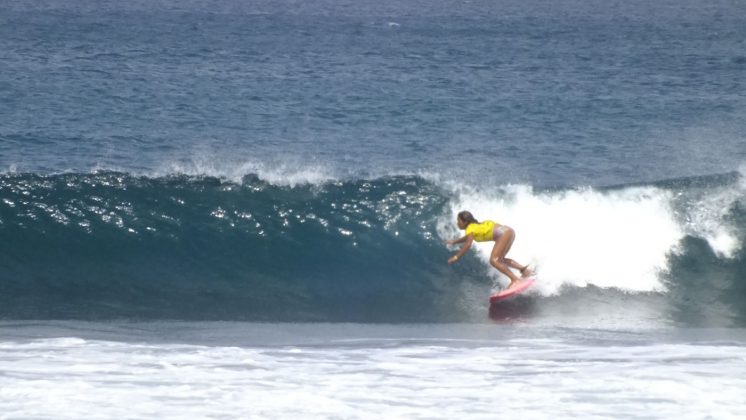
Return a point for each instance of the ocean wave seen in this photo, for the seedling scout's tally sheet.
(113, 244)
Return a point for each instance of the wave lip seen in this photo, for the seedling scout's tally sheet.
(289, 174)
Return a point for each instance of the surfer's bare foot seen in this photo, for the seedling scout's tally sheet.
(526, 272)
(513, 283)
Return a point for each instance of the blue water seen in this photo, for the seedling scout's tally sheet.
(287, 161)
(237, 208)
(537, 92)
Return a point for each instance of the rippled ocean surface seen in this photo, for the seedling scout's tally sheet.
(223, 209)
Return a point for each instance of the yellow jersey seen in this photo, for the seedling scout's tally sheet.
(482, 231)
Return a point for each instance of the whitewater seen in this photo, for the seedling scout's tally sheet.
(238, 370)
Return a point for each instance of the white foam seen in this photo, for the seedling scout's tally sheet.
(618, 239)
(71, 378)
(610, 239)
(707, 217)
(281, 174)
(706, 220)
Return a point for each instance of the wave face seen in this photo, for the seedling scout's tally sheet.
(114, 245)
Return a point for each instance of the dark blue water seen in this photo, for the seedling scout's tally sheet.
(287, 160)
(539, 92)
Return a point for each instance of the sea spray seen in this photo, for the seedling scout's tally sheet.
(618, 238)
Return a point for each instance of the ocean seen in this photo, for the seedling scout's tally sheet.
(237, 209)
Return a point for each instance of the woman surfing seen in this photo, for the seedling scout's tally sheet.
(489, 231)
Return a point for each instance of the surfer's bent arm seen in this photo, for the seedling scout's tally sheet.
(467, 240)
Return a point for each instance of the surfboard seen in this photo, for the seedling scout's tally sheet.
(514, 290)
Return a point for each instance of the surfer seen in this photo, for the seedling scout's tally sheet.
(489, 231)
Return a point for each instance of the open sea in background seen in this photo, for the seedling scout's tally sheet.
(236, 209)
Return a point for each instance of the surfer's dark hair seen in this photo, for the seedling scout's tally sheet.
(467, 217)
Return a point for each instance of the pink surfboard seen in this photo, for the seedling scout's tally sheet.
(512, 291)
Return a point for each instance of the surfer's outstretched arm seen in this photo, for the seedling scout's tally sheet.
(467, 240)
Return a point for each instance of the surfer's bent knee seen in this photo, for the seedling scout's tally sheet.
(498, 261)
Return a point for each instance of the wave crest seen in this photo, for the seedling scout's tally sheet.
(112, 244)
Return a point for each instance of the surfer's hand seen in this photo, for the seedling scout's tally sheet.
(453, 259)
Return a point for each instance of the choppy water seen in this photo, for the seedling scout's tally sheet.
(536, 92)
(244, 370)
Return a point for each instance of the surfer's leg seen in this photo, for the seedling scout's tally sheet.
(512, 263)
(511, 238)
(525, 272)
(497, 258)
(505, 270)
(524, 269)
